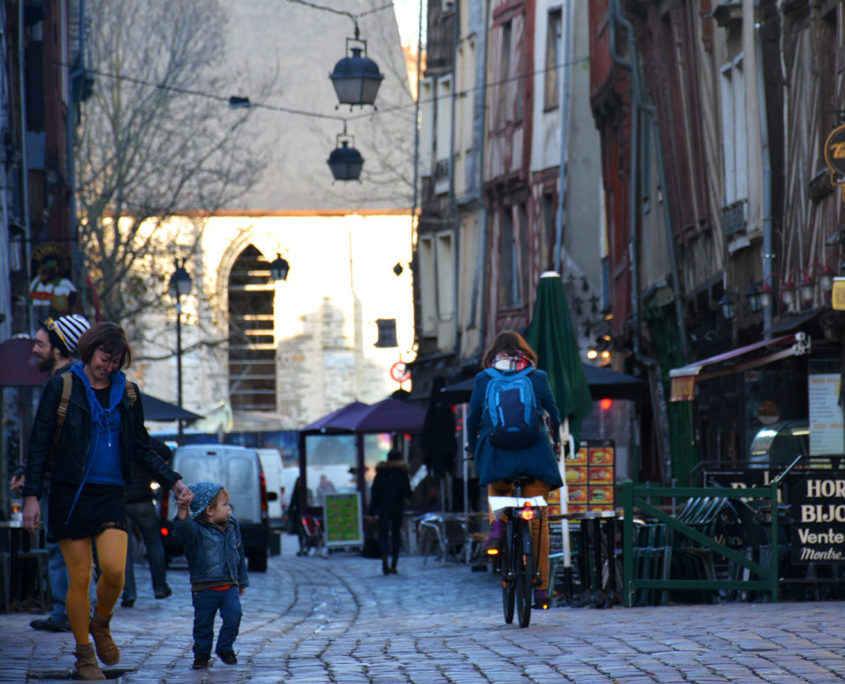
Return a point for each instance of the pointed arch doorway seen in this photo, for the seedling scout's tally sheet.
(252, 343)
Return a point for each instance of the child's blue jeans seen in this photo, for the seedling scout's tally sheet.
(206, 604)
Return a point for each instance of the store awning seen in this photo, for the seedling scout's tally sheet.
(684, 378)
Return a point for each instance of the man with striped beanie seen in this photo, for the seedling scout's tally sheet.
(56, 341)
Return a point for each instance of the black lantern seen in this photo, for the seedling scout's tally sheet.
(753, 295)
(279, 268)
(356, 79)
(345, 161)
(728, 305)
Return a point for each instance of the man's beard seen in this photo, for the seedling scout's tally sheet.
(45, 365)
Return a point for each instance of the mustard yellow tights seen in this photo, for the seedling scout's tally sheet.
(539, 527)
(111, 555)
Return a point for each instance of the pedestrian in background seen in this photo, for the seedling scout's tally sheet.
(391, 486)
(54, 347)
(103, 432)
(142, 511)
(212, 541)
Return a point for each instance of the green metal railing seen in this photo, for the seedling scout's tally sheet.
(636, 496)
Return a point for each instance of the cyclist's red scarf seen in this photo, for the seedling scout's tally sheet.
(516, 361)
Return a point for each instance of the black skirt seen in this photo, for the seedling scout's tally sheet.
(99, 507)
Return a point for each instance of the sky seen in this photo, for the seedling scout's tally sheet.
(407, 15)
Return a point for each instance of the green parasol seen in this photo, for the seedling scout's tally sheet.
(552, 337)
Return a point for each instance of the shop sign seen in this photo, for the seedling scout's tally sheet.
(818, 513)
(834, 156)
(342, 513)
(837, 300)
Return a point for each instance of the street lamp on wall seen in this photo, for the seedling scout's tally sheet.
(728, 305)
(179, 286)
(752, 294)
(279, 268)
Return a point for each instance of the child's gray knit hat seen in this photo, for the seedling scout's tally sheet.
(204, 492)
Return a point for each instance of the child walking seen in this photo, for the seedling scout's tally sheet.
(217, 564)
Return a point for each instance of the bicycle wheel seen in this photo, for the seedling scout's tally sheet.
(524, 579)
(508, 591)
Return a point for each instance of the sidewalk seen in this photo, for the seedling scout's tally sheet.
(310, 619)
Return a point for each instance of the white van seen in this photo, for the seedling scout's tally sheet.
(271, 464)
(239, 470)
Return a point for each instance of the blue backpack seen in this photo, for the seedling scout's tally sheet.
(510, 408)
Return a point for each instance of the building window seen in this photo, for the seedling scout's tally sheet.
(426, 127)
(445, 278)
(734, 132)
(504, 75)
(252, 344)
(551, 91)
(443, 141)
(425, 263)
(510, 292)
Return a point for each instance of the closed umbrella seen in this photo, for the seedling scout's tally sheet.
(552, 337)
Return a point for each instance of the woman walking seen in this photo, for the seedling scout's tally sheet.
(86, 458)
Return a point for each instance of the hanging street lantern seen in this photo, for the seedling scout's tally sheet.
(345, 161)
(279, 268)
(356, 79)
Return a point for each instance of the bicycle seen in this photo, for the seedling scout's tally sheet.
(518, 562)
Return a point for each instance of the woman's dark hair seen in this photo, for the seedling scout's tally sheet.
(110, 338)
(508, 342)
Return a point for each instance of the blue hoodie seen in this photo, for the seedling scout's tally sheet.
(104, 466)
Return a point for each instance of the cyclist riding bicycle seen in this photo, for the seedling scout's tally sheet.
(507, 357)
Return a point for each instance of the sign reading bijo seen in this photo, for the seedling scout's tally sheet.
(818, 514)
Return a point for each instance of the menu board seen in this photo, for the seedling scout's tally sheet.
(342, 514)
(591, 477)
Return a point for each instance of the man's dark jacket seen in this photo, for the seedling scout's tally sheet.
(72, 449)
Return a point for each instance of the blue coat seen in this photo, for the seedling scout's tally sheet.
(495, 464)
(213, 554)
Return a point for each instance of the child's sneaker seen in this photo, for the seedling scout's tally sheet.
(228, 657)
(201, 661)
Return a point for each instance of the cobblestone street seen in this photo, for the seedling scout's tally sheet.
(340, 620)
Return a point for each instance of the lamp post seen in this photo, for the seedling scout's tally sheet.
(178, 287)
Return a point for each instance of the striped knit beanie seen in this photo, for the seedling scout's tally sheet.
(69, 329)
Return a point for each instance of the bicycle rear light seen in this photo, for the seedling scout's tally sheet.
(492, 551)
(527, 512)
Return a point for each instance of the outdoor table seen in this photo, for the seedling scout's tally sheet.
(598, 553)
(19, 548)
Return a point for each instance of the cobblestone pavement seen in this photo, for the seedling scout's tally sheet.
(340, 620)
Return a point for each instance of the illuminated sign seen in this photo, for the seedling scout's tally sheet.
(834, 156)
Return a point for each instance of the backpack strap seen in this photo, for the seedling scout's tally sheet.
(130, 391)
(61, 412)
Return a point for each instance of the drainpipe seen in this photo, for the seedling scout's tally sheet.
(453, 203)
(485, 216)
(768, 238)
(24, 170)
(564, 130)
(658, 398)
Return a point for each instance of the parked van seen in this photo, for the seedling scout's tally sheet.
(271, 464)
(239, 470)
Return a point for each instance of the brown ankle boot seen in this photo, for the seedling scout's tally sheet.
(107, 650)
(86, 663)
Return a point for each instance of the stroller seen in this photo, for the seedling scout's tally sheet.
(311, 537)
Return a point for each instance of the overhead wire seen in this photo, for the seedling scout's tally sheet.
(319, 115)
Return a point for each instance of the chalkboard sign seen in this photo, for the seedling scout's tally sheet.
(343, 520)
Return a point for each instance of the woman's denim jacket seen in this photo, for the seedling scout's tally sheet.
(213, 554)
